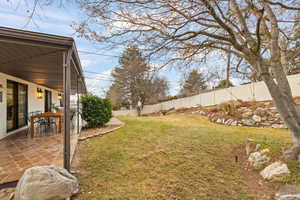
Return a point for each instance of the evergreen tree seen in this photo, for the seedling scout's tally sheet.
(224, 84)
(134, 81)
(193, 84)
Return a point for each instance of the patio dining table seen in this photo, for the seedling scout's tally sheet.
(47, 115)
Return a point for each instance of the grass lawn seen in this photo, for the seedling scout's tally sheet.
(175, 157)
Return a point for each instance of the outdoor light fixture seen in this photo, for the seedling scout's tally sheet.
(39, 93)
(59, 96)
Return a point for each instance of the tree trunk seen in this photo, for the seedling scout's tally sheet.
(286, 108)
(228, 69)
(281, 94)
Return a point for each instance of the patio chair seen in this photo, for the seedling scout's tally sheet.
(52, 123)
(29, 120)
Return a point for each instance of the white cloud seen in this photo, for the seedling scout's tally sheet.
(87, 62)
(99, 83)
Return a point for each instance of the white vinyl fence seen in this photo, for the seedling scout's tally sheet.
(249, 92)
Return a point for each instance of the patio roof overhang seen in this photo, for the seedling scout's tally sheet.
(47, 60)
(39, 58)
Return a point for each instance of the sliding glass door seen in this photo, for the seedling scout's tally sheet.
(22, 105)
(17, 101)
(11, 106)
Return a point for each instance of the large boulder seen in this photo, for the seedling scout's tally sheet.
(259, 159)
(275, 171)
(46, 183)
(288, 192)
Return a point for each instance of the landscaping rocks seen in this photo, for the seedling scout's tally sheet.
(46, 183)
(241, 113)
(260, 111)
(247, 114)
(259, 159)
(256, 118)
(288, 192)
(248, 122)
(275, 171)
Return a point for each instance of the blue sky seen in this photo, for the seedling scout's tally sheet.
(57, 19)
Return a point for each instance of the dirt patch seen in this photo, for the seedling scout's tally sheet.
(261, 189)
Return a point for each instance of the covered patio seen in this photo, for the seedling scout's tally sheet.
(19, 152)
(40, 62)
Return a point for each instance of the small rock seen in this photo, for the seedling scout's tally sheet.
(228, 122)
(46, 182)
(260, 111)
(247, 114)
(264, 118)
(268, 113)
(258, 159)
(288, 192)
(266, 124)
(278, 126)
(233, 123)
(257, 147)
(264, 151)
(201, 112)
(275, 171)
(250, 146)
(219, 121)
(248, 122)
(291, 153)
(256, 118)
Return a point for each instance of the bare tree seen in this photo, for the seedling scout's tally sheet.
(34, 8)
(258, 31)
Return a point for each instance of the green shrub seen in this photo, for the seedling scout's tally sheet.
(229, 108)
(95, 111)
(224, 84)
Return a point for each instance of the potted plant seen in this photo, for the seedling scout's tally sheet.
(54, 108)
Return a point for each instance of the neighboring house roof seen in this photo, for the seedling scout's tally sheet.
(38, 58)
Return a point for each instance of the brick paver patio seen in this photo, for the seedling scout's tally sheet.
(19, 152)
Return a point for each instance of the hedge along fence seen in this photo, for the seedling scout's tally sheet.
(95, 111)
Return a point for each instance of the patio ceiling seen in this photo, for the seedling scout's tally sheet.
(38, 58)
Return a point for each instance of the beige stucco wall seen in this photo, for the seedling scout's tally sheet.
(34, 104)
(250, 92)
